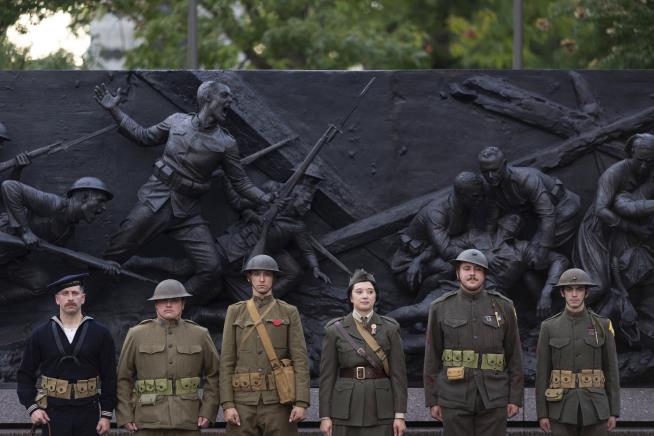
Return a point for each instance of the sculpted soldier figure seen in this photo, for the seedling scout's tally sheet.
(577, 378)
(473, 361)
(603, 225)
(362, 392)
(528, 190)
(33, 215)
(427, 239)
(514, 264)
(22, 159)
(287, 229)
(161, 367)
(264, 359)
(169, 202)
(75, 356)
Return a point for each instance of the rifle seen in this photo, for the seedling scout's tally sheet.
(55, 147)
(87, 259)
(247, 160)
(326, 138)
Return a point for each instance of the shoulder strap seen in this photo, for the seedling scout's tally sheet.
(264, 313)
(57, 339)
(80, 340)
(360, 350)
(374, 346)
(263, 334)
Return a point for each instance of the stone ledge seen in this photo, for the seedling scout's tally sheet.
(636, 407)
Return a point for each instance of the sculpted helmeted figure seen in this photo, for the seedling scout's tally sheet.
(169, 202)
(33, 215)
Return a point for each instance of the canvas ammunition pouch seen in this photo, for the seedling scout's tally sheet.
(149, 389)
(253, 382)
(58, 388)
(470, 359)
(586, 378)
(553, 394)
(283, 371)
(172, 178)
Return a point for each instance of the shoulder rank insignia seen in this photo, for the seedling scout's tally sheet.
(611, 328)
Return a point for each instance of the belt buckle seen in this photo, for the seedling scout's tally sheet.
(360, 372)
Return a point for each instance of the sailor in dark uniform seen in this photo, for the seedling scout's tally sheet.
(74, 355)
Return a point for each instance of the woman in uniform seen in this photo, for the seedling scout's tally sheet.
(363, 383)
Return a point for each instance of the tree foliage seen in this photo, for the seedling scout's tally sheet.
(370, 34)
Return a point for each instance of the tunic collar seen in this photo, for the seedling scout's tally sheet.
(470, 296)
(357, 316)
(261, 302)
(576, 315)
(168, 323)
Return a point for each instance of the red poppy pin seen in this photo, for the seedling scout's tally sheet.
(277, 322)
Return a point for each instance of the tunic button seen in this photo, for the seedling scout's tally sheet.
(170, 332)
(260, 370)
(170, 362)
(475, 338)
(170, 345)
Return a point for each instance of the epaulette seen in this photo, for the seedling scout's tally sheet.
(556, 315)
(596, 315)
(145, 321)
(389, 319)
(332, 321)
(190, 321)
(444, 296)
(239, 303)
(499, 294)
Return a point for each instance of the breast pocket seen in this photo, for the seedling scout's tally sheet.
(149, 357)
(244, 335)
(453, 332)
(278, 331)
(559, 348)
(189, 359)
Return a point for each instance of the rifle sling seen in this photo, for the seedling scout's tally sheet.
(359, 350)
(263, 334)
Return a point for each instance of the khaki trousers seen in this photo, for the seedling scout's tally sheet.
(167, 432)
(488, 422)
(263, 420)
(559, 429)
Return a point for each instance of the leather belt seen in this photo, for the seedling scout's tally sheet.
(362, 373)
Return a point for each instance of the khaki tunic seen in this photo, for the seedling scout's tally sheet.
(240, 356)
(485, 323)
(576, 341)
(362, 403)
(160, 349)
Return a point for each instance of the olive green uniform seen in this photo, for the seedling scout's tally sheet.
(252, 391)
(159, 372)
(478, 332)
(362, 406)
(575, 342)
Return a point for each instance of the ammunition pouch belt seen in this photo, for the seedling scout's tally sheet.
(362, 372)
(586, 378)
(253, 382)
(58, 388)
(178, 182)
(167, 386)
(470, 359)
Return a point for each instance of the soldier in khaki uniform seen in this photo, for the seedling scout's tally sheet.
(577, 379)
(247, 386)
(473, 360)
(362, 395)
(160, 370)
